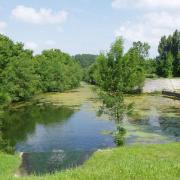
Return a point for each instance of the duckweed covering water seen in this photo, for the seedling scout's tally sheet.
(63, 124)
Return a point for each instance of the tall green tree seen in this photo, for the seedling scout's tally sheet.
(142, 49)
(151, 68)
(167, 68)
(57, 71)
(17, 77)
(119, 72)
(169, 46)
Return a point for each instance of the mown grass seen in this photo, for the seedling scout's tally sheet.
(149, 162)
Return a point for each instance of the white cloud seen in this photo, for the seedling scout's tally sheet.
(150, 28)
(31, 45)
(50, 43)
(3, 26)
(147, 4)
(60, 29)
(41, 16)
(153, 19)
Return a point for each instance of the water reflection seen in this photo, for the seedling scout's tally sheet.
(154, 126)
(55, 138)
(171, 126)
(18, 124)
(154, 118)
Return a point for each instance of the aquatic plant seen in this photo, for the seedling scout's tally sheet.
(119, 135)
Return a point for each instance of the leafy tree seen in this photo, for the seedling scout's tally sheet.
(17, 78)
(176, 52)
(57, 71)
(142, 48)
(169, 45)
(117, 73)
(85, 61)
(151, 68)
(134, 72)
(168, 66)
(22, 75)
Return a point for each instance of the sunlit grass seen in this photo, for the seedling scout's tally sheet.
(148, 162)
(8, 165)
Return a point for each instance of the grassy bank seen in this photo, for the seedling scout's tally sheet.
(8, 165)
(133, 162)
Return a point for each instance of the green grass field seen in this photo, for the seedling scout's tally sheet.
(149, 162)
(8, 165)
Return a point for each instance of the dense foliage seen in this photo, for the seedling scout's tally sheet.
(118, 72)
(168, 61)
(22, 75)
(57, 71)
(17, 124)
(151, 68)
(85, 60)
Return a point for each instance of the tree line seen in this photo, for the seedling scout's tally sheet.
(168, 61)
(23, 75)
(166, 64)
(85, 60)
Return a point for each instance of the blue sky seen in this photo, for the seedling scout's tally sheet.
(87, 26)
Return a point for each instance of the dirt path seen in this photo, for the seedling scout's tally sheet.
(152, 85)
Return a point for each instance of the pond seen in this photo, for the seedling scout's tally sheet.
(57, 131)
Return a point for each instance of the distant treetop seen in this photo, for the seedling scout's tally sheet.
(85, 60)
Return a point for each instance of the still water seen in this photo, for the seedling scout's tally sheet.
(60, 131)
